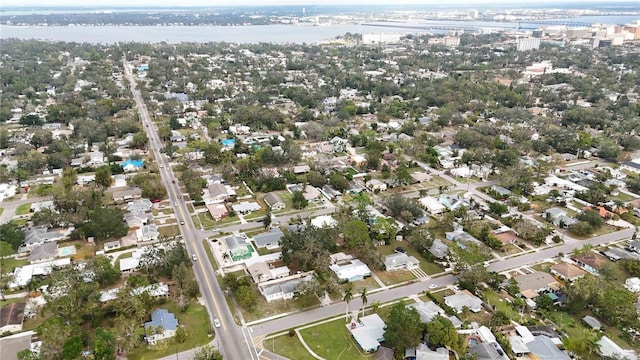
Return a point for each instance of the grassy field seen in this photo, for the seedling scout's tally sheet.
(23, 209)
(207, 248)
(332, 341)
(395, 277)
(196, 323)
(289, 347)
(169, 231)
(11, 301)
(8, 264)
(20, 222)
(1, 210)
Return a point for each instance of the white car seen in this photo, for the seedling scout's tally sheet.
(194, 257)
(216, 323)
(161, 166)
(433, 286)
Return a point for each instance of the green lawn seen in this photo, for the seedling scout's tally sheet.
(195, 321)
(20, 222)
(289, 347)
(8, 264)
(11, 301)
(501, 304)
(1, 210)
(332, 340)
(207, 247)
(395, 277)
(169, 231)
(23, 209)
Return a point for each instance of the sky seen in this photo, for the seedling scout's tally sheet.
(213, 3)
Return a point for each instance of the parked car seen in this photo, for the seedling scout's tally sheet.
(216, 323)
(400, 249)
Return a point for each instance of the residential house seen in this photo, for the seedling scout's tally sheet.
(505, 235)
(532, 285)
(238, 248)
(331, 193)
(137, 220)
(568, 157)
(147, 233)
(567, 272)
(301, 169)
(463, 299)
(41, 205)
(439, 249)
(246, 207)
(96, 158)
(462, 237)
(353, 271)
(422, 352)
(127, 195)
(274, 202)
(311, 193)
(484, 351)
(420, 177)
(368, 332)
(163, 323)
(44, 252)
(376, 185)
(608, 348)
(139, 206)
(427, 310)
(432, 205)
(502, 192)
(452, 202)
(217, 211)
(590, 262)
(219, 192)
(283, 289)
(558, 217)
(40, 235)
(269, 240)
(543, 348)
(261, 272)
(383, 353)
(112, 245)
(11, 317)
(400, 261)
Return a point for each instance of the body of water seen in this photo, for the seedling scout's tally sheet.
(239, 34)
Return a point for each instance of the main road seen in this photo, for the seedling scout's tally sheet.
(233, 341)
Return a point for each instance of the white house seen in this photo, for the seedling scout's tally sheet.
(432, 205)
(147, 233)
(283, 289)
(400, 261)
(353, 271)
(459, 300)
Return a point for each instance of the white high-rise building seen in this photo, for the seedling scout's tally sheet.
(472, 14)
(526, 44)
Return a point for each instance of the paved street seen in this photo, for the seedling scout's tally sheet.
(233, 341)
(285, 323)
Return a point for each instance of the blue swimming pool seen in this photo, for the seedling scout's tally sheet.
(66, 251)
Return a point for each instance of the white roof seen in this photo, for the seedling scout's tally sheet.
(324, 221)
(23, 274)
(129, 263)
(368, 333)
(354, 269)
(613, 350)
(524, 332)
(431, 203)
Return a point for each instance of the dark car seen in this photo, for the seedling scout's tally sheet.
(400, 249)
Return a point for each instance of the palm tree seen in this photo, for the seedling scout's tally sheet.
(348, 296)
(363, 297)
